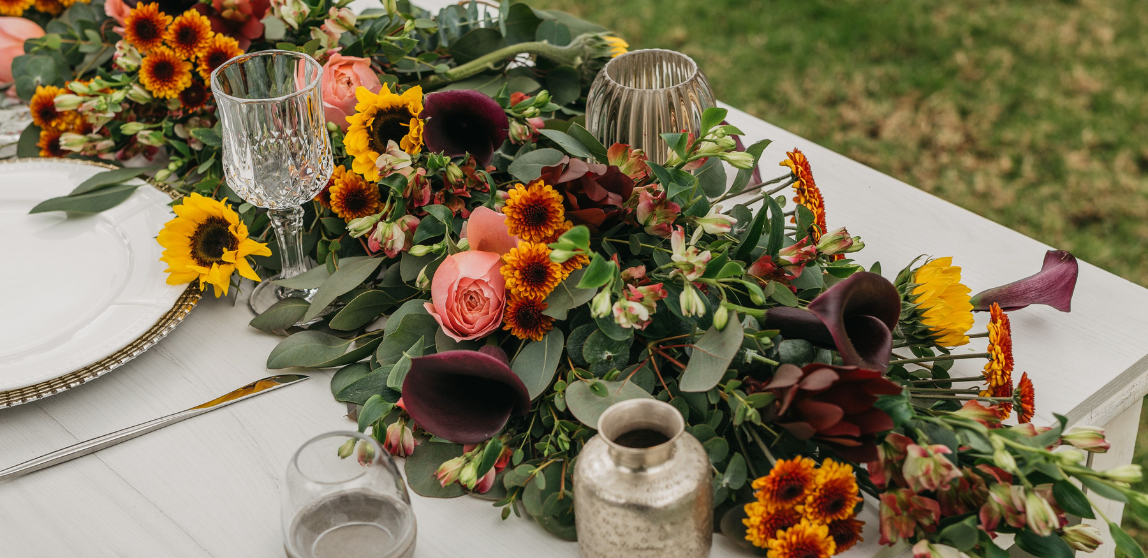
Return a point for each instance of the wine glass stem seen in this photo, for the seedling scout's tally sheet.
(288, 225)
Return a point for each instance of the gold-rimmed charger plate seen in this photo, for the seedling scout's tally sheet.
(82, 295)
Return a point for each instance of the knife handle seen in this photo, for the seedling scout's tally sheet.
(95, 444)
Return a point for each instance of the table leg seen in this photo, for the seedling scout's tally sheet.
(1121, 434)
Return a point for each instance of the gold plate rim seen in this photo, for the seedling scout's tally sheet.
(166, 323)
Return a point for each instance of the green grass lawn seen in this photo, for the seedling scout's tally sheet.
(1033, 113)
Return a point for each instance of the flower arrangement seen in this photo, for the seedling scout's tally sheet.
(530, 276)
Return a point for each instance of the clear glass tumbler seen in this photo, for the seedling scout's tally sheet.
(276, 151)
(346, 507)
(642, 94)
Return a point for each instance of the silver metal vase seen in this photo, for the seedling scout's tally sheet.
(643, 502)
(642, 94)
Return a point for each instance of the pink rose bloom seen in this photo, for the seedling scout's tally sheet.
(486, 230)
(13, 32)
(341, 76)
(117, 10)
(468, 294)
(238, 19)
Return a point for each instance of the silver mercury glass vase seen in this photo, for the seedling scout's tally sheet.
(642, 486)
(642, 94)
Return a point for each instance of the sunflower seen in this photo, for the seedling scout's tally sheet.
(145, 25)
(998, 370)
(764, 523)
(15, 8)
(380, 118)
(805, 190)
(529, 272)
(787, 483)
(53, 7)
(534, 212)
(524, 318)
(804, 540)
(194, 96)
(617, 46)
(351, 196)
(1026, 406)
(164, 73)
(43, 108)
(189, 34)
(833, 494)
(942, 313)
(49, 143)
(845, 533)
(207, 241)
(217, 50)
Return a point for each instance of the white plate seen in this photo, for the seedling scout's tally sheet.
(76, 290)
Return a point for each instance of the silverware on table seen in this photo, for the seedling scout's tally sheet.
(107, 440)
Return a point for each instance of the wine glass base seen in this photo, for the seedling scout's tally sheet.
(266, 294)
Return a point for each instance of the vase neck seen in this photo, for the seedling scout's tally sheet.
(642, 458)
(641, 433)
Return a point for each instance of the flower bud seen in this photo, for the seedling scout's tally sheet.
(1087, 438)
(139, 94)
(691, 302)
(542, 98)
(453, 173)
(400, 441)
(366, 452)
(839, 242)
(927, 468)
(1003, 459)
(1069, 456)
(68, 102)
(162, 175)
(422, 281)
(71, 141)
(464, 245)
(1082, 537)
(468, 476)
(1130, 473)
(559, 255)
(342, 19)
(721, 317)
(449, 470)
(347, 448)
(1040, 518)
(420, 250)
(363, 225)
(926, 549)
(600, 305)
(738, 159)
(332, 127)
(132, 128)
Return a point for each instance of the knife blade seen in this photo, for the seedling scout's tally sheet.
(107, 440)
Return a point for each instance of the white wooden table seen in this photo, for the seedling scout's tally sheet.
(210, 487)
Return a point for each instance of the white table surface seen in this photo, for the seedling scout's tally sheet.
(209, 487)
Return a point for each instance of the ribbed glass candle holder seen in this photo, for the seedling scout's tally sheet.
(644, 93)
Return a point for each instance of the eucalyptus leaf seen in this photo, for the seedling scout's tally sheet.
(567, 296)
(421, 466)
(281, 315)
(567, 142)
(373, 410)
(711, 357)
(91, 202)
(362, 310)
(587, 407)
(109, 178)
(528, 166)
(348, 375)
(310, 279)
(588, 140)
(348, 276)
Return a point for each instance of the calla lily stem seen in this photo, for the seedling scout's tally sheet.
(570, 55)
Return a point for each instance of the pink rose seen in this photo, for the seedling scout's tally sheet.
(117, 10)
(13, 32)
(467, 294)
(341, 76)
(486, 230)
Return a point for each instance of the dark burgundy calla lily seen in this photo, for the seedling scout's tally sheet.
(464, 121)
(1052, 285)
(856, 317)
(834, 405)
(594, 193)
(463, 396)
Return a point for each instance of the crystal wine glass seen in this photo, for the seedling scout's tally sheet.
(276, 152)
(344, 498)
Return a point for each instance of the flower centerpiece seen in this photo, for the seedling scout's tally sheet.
(490, 278)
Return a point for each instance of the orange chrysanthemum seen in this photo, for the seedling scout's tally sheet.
(529, 272)
(998, 370)
(15, 8)
(324, 195)
(804, 540)
(164, 73)
(833, 494)
(524, 318)
(787, 483)
(846, 533)
(764, 524)
(43, 108)
(53, 7)
(194, 96)
(534, 212)
(49, 143)
(352, 196)
(219, 49)
(1026, 408)
(145, 26)
(805, 190)
(189, 34)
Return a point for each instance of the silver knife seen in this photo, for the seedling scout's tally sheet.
(107, 440)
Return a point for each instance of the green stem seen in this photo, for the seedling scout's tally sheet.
(761, 445)
(939, 358)
(978, 335)
(758, 313)
(936, 380)
(569, 55)
(756, 187)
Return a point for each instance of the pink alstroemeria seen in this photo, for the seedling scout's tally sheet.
(418, 192)
(654, 212)
(632, 162)
(839, 242)
(1006, 502)
(634, 275)
(449, 471)
(790, 262)
(713, 223)
(902, 512)
(926, 549)
(395, 236)
(631, 314)
(1083, 537)
(1040, 515)
(394, 160)
(886, 471)
(973, 409)
(927, 469)
(400, 441)
(1052, 285)
(689, 262)
(1087, 438)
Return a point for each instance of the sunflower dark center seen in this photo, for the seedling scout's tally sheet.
(535, 215)
(210, 240)
(391, 125)
(790, 491)
(215, 58)
(355, 201)
(834, 506)
(147, 30)
(163, 70)
(194, 95)
(47, 112)
(186, 35)
(535, 273)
